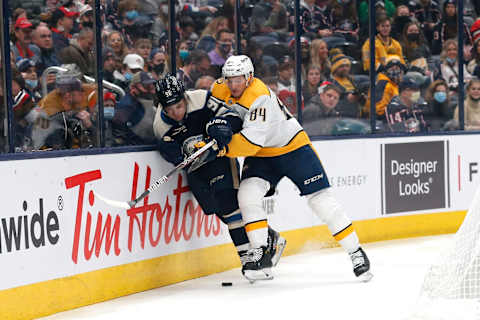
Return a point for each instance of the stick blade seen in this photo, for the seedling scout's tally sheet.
(113, 203)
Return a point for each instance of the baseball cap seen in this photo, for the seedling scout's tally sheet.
(85, 9)
(61, 12)
(143, 78)
(133, 61)
(22, 23)
(408, 83)
(24, 64)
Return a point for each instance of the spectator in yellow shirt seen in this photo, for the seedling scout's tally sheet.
(387, 85)
(384, 45)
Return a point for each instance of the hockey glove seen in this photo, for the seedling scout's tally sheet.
(170, 151)
(219, 129)
(208, 156)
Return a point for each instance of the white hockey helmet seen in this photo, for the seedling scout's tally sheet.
(238, 66)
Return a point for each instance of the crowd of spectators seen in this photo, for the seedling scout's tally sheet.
(415, 62)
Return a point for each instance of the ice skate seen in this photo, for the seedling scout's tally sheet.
(361, 265)
(277, 244)
(258, 264)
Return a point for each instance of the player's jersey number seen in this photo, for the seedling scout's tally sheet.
(258, 113)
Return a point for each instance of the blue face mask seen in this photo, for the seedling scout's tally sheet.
(184, 54)
(108, 113)
(131, 15)
(440, 96)
(128, 76)
(31, 84)
(451, 60)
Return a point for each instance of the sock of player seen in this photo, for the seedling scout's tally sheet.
(250, 200)
(237, 231)
(327, 208)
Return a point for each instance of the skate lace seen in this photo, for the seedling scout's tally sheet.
(253, 255)
(357, 258)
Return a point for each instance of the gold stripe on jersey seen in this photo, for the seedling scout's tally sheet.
(256, 225)
(254, 90)
(343, 233)
(240, 146)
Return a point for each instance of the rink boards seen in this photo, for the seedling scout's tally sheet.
(61, 247)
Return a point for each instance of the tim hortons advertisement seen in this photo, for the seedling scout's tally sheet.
(414, 176)
(53, 225)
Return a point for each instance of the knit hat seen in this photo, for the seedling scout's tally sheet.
(475, 30)
(337, 59)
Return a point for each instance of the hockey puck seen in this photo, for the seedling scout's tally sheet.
(227, 284)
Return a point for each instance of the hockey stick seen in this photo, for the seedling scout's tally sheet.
(156, 184)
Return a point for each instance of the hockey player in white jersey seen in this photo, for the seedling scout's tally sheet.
(181, 122)
(275, 146)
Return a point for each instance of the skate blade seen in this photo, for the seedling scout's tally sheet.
(281, 243)
(255, 275)
(366, 276)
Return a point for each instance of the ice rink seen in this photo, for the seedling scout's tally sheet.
(311, 285)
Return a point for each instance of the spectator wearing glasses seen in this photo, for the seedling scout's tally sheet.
(23, 39)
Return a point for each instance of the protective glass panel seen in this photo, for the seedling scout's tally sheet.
(53, 84)
(3, 107)
(134, 55)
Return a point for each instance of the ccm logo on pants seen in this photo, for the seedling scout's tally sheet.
(313, 179)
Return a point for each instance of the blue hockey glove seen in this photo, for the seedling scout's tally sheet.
(170, 151)
(219, 129)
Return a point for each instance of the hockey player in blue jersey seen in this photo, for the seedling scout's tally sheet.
(275, 146)
(182, 124)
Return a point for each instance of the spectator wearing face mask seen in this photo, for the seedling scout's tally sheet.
(132, 64)
(127, 13)
(403, 113)
(85, 18)
(448, 69)
(183, 51)
(439, 108)
(158, 67)
(109, 103)
(386, 88)
(28, 71)
(402, 17)
(223, 47)
(135, 112)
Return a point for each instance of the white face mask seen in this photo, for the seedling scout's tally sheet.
(415, 96)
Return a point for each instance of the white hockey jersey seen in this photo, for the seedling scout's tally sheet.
(268, 128)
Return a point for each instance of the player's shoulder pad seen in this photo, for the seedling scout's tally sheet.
(161, 125)
(255, 91)
(196, 99)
